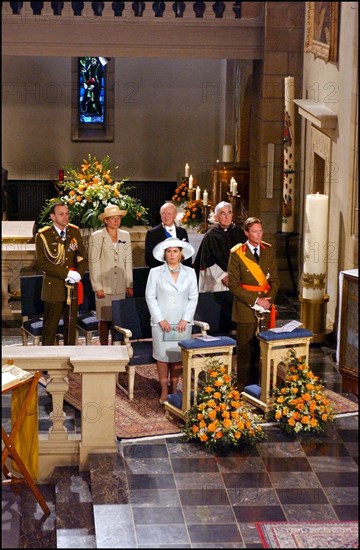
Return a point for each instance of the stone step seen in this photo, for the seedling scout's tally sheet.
(36, 529)
(112, 510)
(75, 526)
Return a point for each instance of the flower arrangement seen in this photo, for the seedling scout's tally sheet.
(89, 190)
(181, 193)
(300, 405)
(221, 420)
(193, 213)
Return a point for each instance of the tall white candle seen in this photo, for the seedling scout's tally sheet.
(234, 189)
(228, 153)
(205, 198)
(232, 181)
(315, 246)
(197, 195)
(287, 225)
(191, 182)
(187, 170)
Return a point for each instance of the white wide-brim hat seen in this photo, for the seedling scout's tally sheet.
(159, 249)
(112, 210)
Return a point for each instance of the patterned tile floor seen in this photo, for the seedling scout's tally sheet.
(165, 493)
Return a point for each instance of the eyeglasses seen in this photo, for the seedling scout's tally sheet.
(224, 214)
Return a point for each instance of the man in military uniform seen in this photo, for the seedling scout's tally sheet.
(254, 282)
(61, 255)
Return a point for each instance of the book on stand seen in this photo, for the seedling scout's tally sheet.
(11, 375)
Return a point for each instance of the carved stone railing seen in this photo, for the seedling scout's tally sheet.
(98, 369)
(136, 9)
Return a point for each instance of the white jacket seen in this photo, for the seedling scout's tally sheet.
(168, 300)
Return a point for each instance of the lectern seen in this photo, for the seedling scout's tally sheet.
(10, 383)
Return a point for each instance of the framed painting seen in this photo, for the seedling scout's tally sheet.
(322, 32)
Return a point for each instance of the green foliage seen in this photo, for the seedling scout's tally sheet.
(89, 190)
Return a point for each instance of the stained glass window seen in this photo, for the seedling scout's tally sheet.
(92, 90)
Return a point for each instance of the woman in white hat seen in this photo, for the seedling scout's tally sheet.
(172, 296)
(110, 266)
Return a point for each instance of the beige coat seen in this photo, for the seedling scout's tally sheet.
(110, 264)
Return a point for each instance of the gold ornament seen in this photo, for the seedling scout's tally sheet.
(314, 280)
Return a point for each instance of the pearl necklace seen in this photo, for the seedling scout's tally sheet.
(176, 270)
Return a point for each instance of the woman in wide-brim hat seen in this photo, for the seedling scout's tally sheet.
(172, 296)
(110, 266)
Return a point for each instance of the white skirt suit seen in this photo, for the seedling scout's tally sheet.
(110, 266)
(170, 301)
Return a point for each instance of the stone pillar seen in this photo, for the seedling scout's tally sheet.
(99, 369)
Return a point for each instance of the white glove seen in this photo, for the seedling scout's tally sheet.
(260, 309)
(73, 277)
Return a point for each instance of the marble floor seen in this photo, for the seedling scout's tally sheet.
(166, 493)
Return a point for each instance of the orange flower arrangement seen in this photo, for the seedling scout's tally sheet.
(300, 405)
(181, 193)
(193, 213)
(89, 190)
(221, 420)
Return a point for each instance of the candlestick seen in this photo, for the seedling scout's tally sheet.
(191, 181)
(190, 194)
(61, 175)
(205, 215)
(197, 196)
(187, 170)
(315, 246)
(232, 201)
(234, 189)
(205, 198)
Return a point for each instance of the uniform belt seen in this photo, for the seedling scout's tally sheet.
(256, 288)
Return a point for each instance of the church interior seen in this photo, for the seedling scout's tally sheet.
(257, 104)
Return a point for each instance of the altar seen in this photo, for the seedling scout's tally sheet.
(18, 252)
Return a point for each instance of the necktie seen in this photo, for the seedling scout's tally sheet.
(62, 234)
(167, 233)
(256, 255)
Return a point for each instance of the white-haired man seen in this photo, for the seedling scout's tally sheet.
(213, 255)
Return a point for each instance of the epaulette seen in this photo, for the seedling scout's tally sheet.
(44, 228)
(236, 247)
(73, 225)
(265, 243)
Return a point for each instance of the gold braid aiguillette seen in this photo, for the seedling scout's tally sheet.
(57, 258)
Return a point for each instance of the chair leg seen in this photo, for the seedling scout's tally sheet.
(131, 380)
(24, 337)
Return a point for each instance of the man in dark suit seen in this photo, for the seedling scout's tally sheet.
(167, 228)
(254, 282)
(62, 257)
